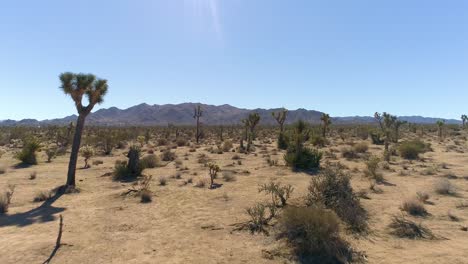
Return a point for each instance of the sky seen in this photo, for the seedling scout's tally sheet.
(341, 57)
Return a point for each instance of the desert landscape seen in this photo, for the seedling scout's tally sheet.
(406, 205)
(216, 132)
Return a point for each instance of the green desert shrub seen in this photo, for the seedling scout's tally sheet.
(314, 235)
(372, 169)
(318, 141)
(304, 159)
(331, 189)
(282, 141)
(28, 154)
(411, 149)
(376, 138)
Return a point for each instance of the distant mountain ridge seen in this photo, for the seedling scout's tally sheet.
(182, 114)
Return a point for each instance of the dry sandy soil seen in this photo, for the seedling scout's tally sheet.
(186, 224)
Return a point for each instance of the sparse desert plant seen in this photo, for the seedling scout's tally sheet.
(162, 181)
(5, 199)
(213, 171)
(411, 149)
(444, 187)
(33, 175)
(151, 161)
(77, 85)
(280, 117)
(201, 183)
(326, 122)
(168, 155)
(28, 154)
(2, 170)
(387, 124)
(250, 124)
(349, 153)
(228, 176)
(440, 129)
(279, 193)
(198, 112)
(97, 162)
(42, 196)
(318, 141)
(227, 145)
(141, 188)
(298, 156)
(361, 147)
(423, 197)
(372, 167)
(414, 207)
(51, 153)
(314, 235)
(405, 228)
(331, 189)
(146, 196)
(87, 152)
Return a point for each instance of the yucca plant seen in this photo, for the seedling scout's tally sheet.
(77, 86)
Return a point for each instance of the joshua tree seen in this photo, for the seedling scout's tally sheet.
(326, 122)
(386, 123)
(464, 118)
(280, 117)
(78, 85)
(196, 115)
(397, 126)
(250, 123)
(214, 169)
(440, 126)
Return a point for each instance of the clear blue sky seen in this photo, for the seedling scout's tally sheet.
(342, 57)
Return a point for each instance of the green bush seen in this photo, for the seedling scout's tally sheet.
(282, 141)
(314, 234)
(305, 159)
(331, 188)
(411, 149)
(318, 141)
(377, 138)
(28, 154)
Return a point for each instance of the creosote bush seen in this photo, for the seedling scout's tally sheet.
(372, 167)
(444, 187)
(331, 189)
(411, 149)
(151, 161)
(314, 235)
(405, 228)
(414, 207)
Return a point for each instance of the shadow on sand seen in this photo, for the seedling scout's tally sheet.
(44, 213)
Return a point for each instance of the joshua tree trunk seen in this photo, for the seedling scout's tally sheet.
(75, 149)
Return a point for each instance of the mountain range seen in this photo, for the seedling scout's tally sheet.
(182, 114)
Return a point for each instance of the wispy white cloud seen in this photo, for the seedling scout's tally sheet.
(208, 8)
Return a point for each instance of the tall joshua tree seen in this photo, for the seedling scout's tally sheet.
(464, 118)
(280, 117)
(397, 125)
(250, 123)
(326, 122)
(386, 122)
(440, 126)
(77, 86)
(197, 113)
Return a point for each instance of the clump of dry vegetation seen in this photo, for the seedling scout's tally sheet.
(405, 228)
(5, 199)
(331, 189)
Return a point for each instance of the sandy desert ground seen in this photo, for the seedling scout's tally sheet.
(186, 224)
